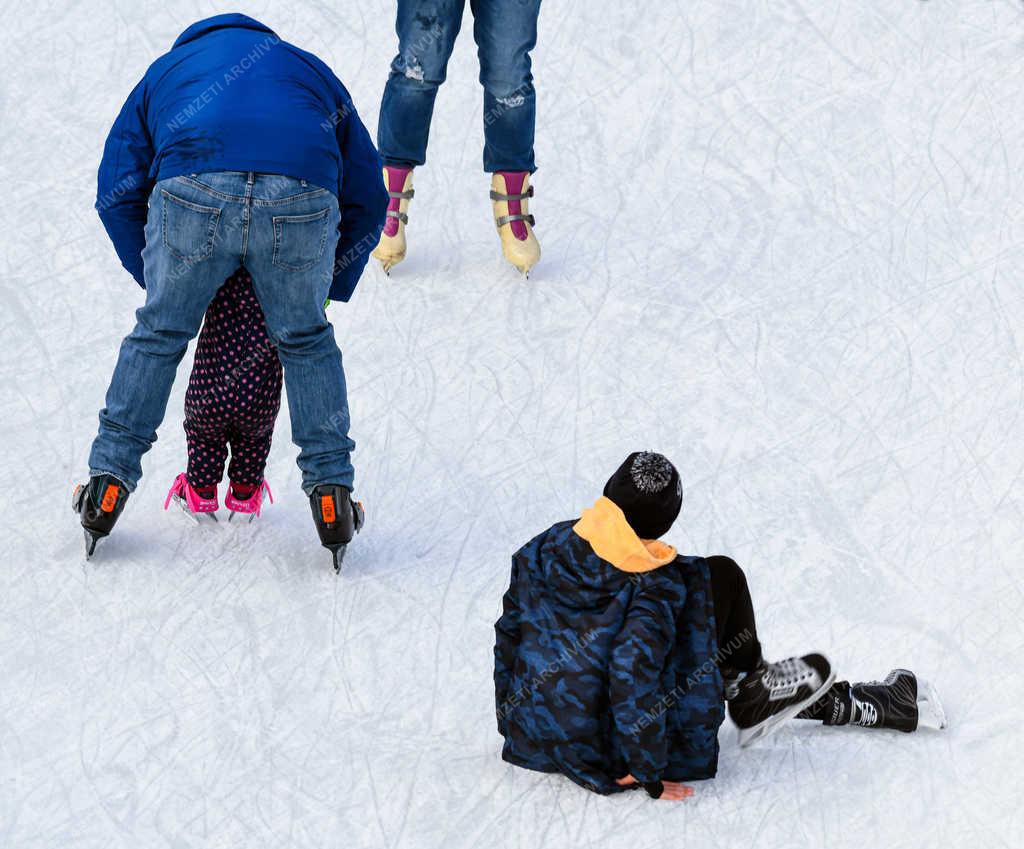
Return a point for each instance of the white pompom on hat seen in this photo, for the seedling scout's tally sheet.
(648, 490)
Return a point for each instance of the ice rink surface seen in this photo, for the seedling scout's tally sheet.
(783, 244)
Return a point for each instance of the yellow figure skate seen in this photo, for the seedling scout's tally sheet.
(510, 193)
(390, 249)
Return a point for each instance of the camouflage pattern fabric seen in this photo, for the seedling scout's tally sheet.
(600, 672)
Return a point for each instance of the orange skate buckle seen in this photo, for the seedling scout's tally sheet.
(109, 498)
(327, 508)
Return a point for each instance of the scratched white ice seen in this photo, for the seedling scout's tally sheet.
(783, 243)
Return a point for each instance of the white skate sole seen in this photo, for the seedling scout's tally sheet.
(929, 709)
(772, 723)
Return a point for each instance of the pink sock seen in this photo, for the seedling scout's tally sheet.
(396, 175)
(514, 186)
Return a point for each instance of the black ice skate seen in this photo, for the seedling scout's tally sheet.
(338, 518)
(761, 700)
(902, 702)
(99, 503)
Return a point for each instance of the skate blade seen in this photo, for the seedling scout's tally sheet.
(198, 518)
(248, 521)
(338, 553)
(389, 262)
(930, 713)
(91, 540)
(773, 723)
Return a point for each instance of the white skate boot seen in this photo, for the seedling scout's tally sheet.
(390, 249)
(510, 193)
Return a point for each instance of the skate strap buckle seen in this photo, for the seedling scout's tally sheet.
(506, 219)
(401, 216)
(109, 498)
(327, 512)
(78, 498)
(402, 195)
(360, 515)
(499, 196)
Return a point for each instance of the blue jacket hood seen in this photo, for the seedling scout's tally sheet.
(228, 21)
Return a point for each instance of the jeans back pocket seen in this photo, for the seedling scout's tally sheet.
(299, 240)
(190, 230)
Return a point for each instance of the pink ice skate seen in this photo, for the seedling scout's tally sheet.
(190, 501)
(249, 500)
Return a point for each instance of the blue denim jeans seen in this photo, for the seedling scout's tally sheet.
(200, 228)
(505, 32)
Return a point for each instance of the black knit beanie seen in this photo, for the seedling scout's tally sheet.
(648, 490)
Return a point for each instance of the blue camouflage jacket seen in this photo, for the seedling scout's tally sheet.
(604, 662)
(230, 95)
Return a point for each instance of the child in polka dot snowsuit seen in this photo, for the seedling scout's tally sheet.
(233, 397)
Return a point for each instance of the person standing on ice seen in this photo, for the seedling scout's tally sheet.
(236, 149)
(505, 33)
(614, 654)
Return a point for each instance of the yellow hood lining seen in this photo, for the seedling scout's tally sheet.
(605, 527)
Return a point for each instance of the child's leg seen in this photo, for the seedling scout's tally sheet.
(207, 452)
(207, 398)
(249, 452)
(205, 423)
(738, 646)
(252, 433)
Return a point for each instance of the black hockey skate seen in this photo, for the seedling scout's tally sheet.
(99, 504)
(761, 700)
(902, 702)
(338, 518)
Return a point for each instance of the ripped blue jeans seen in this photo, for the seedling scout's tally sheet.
(505, 32)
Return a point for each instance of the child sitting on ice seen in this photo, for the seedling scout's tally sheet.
(232, 400)
(614, 654)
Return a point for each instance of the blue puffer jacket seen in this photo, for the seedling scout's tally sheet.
(231, 96)
(605, 657)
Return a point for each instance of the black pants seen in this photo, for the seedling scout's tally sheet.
(234, 392)
(738, 646)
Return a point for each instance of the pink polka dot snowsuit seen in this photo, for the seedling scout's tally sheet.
(234, 392)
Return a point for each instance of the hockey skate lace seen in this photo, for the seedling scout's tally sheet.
(786, 673)
(867, 714)
(888, 681)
